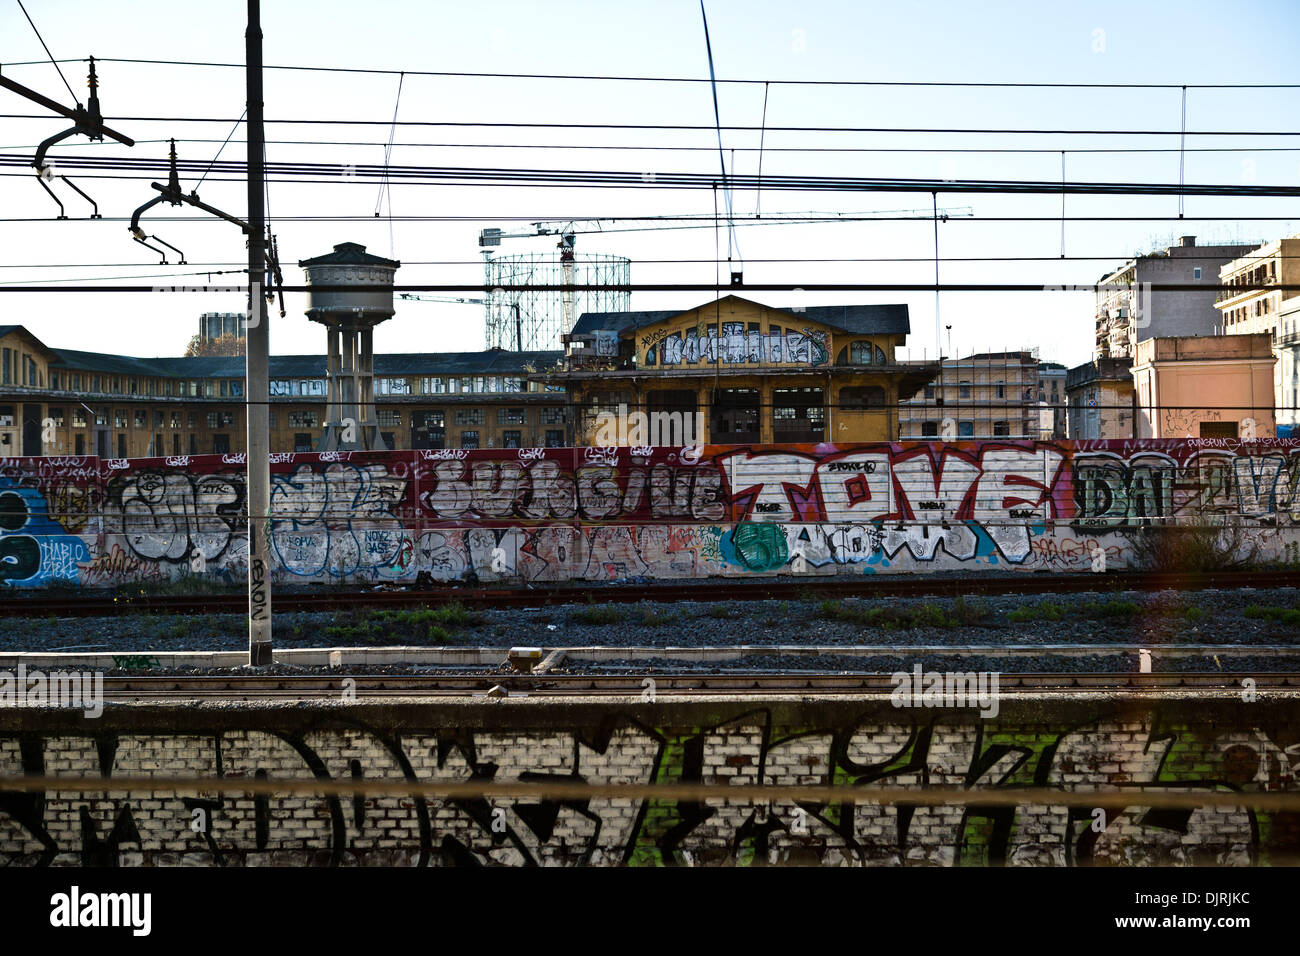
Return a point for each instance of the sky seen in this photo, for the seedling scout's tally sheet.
(1183, 43)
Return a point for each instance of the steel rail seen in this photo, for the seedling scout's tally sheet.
(345, 686)
(750, 589)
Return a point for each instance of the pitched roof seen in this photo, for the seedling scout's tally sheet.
(855, 319)
(489, 362)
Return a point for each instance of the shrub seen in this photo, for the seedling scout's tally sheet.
(1193, 549)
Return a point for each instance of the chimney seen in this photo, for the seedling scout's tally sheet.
(1186, 241)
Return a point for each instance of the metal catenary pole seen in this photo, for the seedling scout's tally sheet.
(256, 390)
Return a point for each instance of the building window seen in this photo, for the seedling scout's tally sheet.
(511, 416)
(57, 415)
(432, 386)
(119, 419)
(281, 386)
(862, 396)
(963, 389)
(236, 388)
(157, 419)
(141, 419)
(554, 438)
(469, 439)
(1001, 429)
(121, 446)
(392, 386)
(176, 419)
(929, 391)
(929, 429)
(220, 444)
(78, 418)
(1196, 272)
(303, 420)
(511, 439)
(552, 416)
(301, 441)
(1218, 429)
(389, 418)
(1000, 389)
(469, 416)
(512, 385)
(965, 429)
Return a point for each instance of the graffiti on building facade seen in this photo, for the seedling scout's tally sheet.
(546, 514)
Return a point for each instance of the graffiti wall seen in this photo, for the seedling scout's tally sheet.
(610, 514)
(1189, 749)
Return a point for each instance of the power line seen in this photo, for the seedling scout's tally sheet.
(53, 62)
(640, 262)
(538, 177)
(974, 150)
(693, 79)
(529, 219)
(993, 131)
(809, 287)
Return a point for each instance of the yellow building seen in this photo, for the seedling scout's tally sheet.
(743, 372)
(67, 402)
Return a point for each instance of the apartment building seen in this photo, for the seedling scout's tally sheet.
(1254, 305)
(1129, 312)
(986, 395)
(1100, 397)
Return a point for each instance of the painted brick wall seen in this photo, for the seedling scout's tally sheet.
(610, 514)
(1190, 746)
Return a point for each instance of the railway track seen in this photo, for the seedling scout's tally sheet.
(317, 687)
(724, 589)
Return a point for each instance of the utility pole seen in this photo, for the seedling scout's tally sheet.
(256, 386)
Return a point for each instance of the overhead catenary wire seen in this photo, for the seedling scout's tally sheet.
(475, 124)
(53, 62)
(535, 177)
(1006, 84)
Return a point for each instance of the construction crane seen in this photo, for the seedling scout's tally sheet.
(567, 230)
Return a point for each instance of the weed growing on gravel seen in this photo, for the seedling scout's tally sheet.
(655, 617)
(968, 613)
(1287, 615)
(1194, 615)
(890, 617)
(597, 614)
(1110, 609)
(718, 612)
(1042, 611)
(453, 615)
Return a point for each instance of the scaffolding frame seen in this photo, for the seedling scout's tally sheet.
(528, 321)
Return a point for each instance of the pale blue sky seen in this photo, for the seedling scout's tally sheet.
(1178, 43)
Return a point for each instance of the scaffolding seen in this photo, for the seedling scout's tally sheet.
(528, 321)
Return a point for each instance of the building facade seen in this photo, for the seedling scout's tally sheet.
(1254, 305)
(1100, 396)
(1217, 386)
(740, 372)
(1128, 312)
(986, 395)
(66, 402)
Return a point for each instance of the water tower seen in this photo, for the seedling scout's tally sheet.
(357, 296)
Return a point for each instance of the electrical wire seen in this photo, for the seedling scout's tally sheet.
(687, 79)
(477, 124)
(53, 62)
